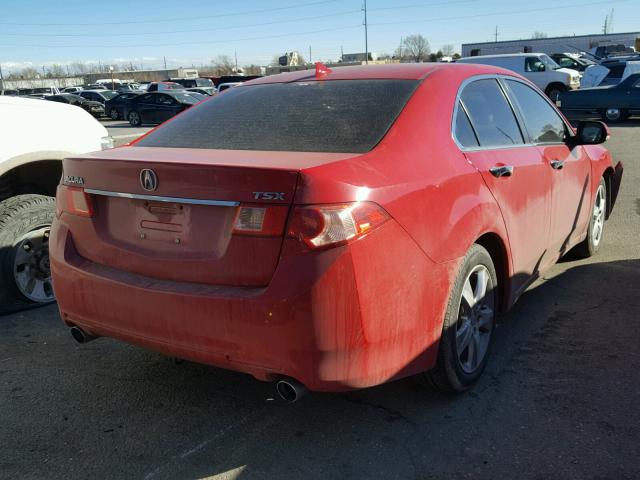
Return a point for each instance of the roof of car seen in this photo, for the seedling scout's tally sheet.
(506, 55)
(400, 71)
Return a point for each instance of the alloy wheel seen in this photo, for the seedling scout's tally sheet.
(31, 268)
(613, 114)
(598, 214)
(475, 319)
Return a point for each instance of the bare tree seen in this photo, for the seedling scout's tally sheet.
(447, 50)
(252, 69)
(56, 71)
(537, 34)
(223, 65)
(416, 47)
(29, 73)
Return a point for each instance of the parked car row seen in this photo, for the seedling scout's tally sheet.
(614, 98)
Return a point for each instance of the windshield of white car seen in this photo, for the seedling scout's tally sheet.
(549, 63)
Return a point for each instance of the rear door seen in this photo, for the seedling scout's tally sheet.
(166, 107)
(513, 170)
(570, 167)
(146, 106)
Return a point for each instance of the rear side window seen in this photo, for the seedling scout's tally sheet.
(348, 116)
(542, 122)
(464, 131)
(491, 114)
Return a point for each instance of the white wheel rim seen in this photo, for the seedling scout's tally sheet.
(599, 208)
(31, 269)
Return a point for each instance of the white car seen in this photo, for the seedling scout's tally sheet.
(224, 86)
(34, 138)
(539, 68)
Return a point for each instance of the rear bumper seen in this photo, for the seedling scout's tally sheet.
(339, 319)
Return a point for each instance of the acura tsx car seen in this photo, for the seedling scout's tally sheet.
(332, 230)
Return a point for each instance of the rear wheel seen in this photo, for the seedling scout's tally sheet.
(469, 322)
(590, 245)
(614, 115)
(113, 113)
(25, 276)
(134, 119)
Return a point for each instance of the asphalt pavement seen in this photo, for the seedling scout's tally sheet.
(560, 398)
(122, 132)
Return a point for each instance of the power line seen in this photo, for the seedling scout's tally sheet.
(494, 14)
(168, 20)
(207, 42)
(210, 29)
(419, 5)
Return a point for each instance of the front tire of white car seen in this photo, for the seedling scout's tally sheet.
(25, 276)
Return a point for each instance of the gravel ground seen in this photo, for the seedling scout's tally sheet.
(558, 400)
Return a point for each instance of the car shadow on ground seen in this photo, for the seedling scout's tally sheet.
(561, 383)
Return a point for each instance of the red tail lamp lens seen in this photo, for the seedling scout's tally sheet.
(320, 226)
(73, 200)
(260, 220)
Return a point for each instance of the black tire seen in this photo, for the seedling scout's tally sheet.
(113, 114)
(590, 245)
(614, 115)
(450, 374)
(554, 90)
(134, 119)
(20, 216)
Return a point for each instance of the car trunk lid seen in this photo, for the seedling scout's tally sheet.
(183, 230)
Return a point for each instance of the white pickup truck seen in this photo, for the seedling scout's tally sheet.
(35, 136)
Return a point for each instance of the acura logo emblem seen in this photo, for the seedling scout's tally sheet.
(148, 179)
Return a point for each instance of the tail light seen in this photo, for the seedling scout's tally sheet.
(320, 226)
(260, 220)
(73, 200)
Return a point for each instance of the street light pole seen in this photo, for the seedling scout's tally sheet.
(113, 85)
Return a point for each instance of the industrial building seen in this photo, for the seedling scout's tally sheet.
(550, 45)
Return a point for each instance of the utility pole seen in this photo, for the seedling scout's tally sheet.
(366, 35)
(236, 55)
(310, 54)
(341, 54)
(165, 62)
(496, 34)
(1, 78)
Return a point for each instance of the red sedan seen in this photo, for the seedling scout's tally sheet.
(334, 230)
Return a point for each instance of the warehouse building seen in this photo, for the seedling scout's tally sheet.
(550, 45)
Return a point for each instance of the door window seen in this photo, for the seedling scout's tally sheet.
(491, 115)
(148, 98)
(542, 122)
(464, 131)
(533, 64)
(165, 100)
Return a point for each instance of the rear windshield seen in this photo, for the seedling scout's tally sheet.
(348, 116)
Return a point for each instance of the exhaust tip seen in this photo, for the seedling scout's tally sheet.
(290, 390)
(81, 336)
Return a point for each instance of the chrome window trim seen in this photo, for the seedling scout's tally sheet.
(498, 77)
(156, 198)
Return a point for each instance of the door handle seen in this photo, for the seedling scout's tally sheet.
(502, 171)
(557, 164)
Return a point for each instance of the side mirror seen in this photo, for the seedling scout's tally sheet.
(541, 67)
(592, 133)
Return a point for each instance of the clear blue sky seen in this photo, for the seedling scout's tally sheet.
(146, 31)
